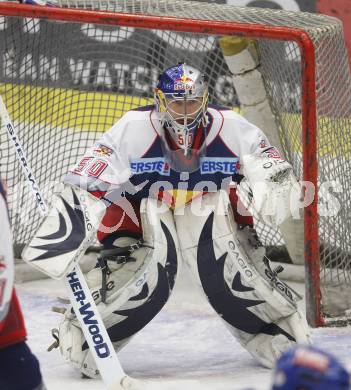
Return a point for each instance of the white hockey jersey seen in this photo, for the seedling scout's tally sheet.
(131, 152)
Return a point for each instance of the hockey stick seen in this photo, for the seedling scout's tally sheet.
(80, 296)
(32, 183)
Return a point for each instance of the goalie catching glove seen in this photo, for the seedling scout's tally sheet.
(276, 191)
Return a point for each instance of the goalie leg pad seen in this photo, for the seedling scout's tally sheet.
(136, 290)
(227, 261)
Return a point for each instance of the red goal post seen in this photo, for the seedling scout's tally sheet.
(222, 20)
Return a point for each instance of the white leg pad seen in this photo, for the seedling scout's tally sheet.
(137, 290)
(259, 310)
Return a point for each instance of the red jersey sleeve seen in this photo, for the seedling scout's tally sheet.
(13, 330)
(241, 214)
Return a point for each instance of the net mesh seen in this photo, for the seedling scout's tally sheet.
(65, 83)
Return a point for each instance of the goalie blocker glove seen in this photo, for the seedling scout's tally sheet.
(65, 233)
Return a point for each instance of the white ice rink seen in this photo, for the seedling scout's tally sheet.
(186, 347)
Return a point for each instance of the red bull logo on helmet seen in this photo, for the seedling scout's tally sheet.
(184, 83)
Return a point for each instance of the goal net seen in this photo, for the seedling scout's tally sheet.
(68, 73)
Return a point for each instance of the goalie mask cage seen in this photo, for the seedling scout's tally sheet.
(68, 73)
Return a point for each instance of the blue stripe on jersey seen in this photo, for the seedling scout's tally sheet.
(220, 163)
(218, 148)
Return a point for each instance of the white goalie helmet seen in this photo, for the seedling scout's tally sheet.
(181, 98)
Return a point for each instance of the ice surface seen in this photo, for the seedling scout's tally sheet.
(186, 347)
